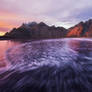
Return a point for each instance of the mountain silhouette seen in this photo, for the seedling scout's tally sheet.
(41, 30)
(37, 31)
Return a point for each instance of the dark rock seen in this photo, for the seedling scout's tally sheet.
(37, 31)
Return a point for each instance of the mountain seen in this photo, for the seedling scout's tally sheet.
(35, 30)
(83, 29)
(41, 30)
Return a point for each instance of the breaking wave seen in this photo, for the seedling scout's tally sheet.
(56, 52)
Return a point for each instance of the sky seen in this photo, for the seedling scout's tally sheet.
(64, 13)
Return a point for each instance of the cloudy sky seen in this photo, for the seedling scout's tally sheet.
(53, 12)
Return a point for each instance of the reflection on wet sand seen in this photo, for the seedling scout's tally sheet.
(4, 46)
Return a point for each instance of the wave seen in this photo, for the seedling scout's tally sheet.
(49, 66)
(55, 52)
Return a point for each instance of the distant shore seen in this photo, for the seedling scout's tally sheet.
(13, 38)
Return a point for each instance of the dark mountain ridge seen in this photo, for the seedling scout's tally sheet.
(37, 31)
(41, 30)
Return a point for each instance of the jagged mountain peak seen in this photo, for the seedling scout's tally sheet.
(42, 24)
(82, 29)
(37, 31)
(29, 24)
(42, 30)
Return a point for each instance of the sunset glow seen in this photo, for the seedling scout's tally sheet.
(2, 33)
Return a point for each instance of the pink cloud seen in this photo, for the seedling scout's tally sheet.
(4, 29)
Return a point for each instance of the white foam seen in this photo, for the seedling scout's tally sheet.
(32, 55)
